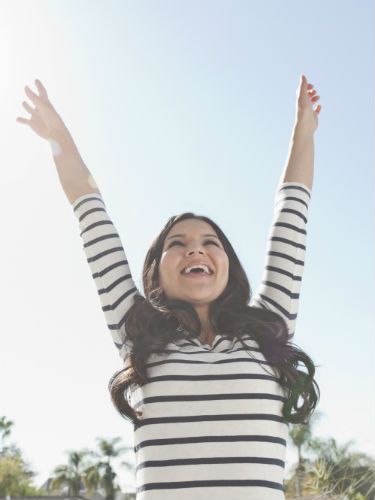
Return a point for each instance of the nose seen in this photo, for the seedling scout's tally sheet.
(190, 252)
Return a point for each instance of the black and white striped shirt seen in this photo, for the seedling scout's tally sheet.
(212, 421)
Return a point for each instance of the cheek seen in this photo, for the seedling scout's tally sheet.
(226, 267)
(166, 265)
(224, 262)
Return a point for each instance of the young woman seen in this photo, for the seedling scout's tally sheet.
(210, 377)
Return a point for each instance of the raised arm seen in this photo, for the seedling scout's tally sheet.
(108, 264)
(285, 257)
(74, 176)
(299, 166)
(101, 242)
(286, 247)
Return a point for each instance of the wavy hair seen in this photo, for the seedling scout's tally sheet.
(153, 321)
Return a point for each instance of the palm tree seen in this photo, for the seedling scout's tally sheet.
(5, 430)
(91, 478)
(300, 435)
(108, 452)
(340, 471)
(73, 474)
(81, 474)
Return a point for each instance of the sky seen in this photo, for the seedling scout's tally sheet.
(180, 106)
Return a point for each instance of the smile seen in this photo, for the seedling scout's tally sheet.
(195, 276)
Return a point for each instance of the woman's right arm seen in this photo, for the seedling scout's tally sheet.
(101, 242)
(74, 176)
(108, 263)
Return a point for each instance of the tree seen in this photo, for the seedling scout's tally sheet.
(72, 474)
(108, 452)
(301, 435)
(336, 470)
(5, 431)
(82, 474)
(15, 476)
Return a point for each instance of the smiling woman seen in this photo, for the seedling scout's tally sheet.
(199, 289)
(239, 387)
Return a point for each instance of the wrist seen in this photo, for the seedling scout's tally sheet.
(302, 130)
(55, 147)
(61, 141)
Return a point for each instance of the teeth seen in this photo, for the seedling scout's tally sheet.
(201, 266)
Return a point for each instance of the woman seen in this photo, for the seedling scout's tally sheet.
(210, 377)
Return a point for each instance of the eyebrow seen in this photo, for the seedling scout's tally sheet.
(183, 235)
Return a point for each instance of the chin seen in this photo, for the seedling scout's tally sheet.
(201, 297)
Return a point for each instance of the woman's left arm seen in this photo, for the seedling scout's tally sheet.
(300, 162)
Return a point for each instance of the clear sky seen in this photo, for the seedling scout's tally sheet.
(180, 106)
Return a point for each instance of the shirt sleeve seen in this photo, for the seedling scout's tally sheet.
(285, 257)
(108, 264)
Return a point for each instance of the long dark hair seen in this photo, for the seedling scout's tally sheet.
(152, 322)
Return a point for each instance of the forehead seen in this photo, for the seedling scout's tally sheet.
(191, 227)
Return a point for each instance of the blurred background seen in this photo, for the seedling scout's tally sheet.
(180, 106)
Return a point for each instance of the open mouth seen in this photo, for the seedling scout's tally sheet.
(198, 269)
(197, 275)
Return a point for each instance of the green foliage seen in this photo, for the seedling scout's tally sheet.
(81, 474)
(331, 469)
(15, 477)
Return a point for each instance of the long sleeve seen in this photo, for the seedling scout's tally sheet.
(108, 264)
(284, 263)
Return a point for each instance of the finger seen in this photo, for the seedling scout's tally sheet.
(34, 97)
(317, 109)
(38, 101)
(23, 120)
(29, 108)
(309, 85)
(41, 88)
(315, 98)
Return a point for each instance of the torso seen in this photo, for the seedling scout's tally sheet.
(211, 424)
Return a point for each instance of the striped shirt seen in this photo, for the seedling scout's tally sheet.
(212, 420)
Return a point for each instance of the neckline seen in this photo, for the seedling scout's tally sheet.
(207, 346)
(181, 331)
(195, 341)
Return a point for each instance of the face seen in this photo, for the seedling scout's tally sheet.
(190, 247)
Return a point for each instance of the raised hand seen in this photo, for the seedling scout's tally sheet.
(306, 98)
(45, 121)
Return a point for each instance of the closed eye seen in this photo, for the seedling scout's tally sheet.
(180, 243)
